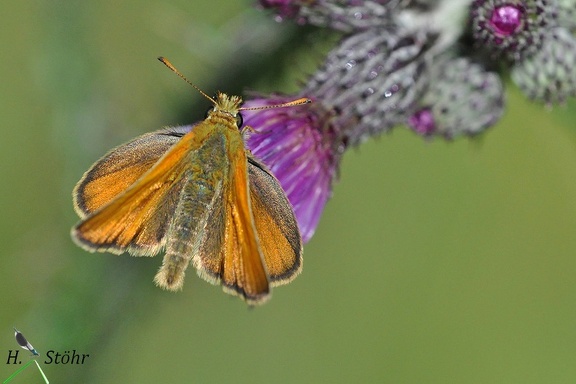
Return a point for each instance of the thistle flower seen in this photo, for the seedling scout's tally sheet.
(407, 62)
(535, 37)
(512, 28)
(465, 99)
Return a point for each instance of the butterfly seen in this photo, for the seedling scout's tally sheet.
(200, 196)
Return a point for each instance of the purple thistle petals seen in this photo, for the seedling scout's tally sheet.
(292, 143)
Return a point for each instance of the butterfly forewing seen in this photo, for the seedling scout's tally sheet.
(121, 167)
(136, 219)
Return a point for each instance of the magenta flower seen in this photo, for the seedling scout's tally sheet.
(536, 38)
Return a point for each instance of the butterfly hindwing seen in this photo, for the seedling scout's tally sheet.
(275, 223)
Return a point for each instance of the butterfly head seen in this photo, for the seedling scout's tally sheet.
(225, 105)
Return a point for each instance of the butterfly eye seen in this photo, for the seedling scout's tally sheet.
(239, 120)
(208, 112)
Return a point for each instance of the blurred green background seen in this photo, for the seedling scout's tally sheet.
(434, 262)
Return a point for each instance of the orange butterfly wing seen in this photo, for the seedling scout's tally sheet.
(276, 225)
(121, 167)
(136, 219)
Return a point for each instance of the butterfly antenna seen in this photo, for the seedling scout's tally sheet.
(173, 69)
(303, 100)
